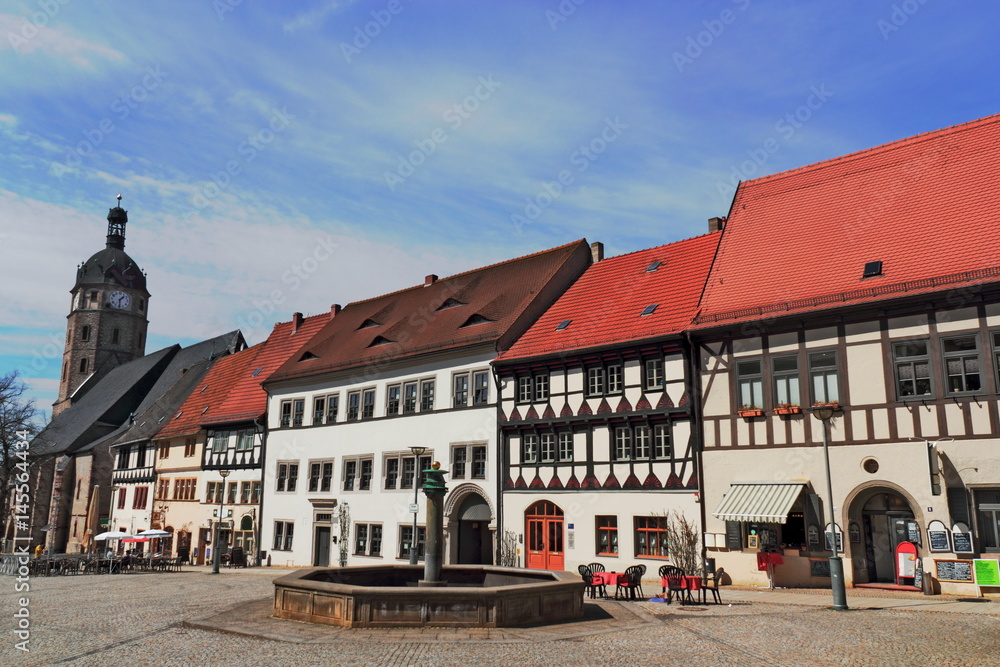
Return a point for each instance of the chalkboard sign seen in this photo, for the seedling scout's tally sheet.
(734, 535)
(963, 542)
(918, 575)
(939, 540)
(913, 532)
(954, 570)
(819, 567)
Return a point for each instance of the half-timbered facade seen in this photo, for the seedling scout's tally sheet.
(597, 428)
(410, 369)
(870, 282)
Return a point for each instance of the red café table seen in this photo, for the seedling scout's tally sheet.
(689, 583)
(606, 579)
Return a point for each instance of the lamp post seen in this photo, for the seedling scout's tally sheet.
(417, 453)
(111, 505)
(824, 413)
(218, 523)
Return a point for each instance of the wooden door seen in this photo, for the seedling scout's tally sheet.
(544, 531)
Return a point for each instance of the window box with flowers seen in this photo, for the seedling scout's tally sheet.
(787, 409)
(835, 405)
(750, 411)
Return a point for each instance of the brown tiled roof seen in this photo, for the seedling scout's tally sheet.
(484, 306)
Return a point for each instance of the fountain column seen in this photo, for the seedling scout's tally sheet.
(435, 490)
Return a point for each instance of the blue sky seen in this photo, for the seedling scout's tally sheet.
(281, 157)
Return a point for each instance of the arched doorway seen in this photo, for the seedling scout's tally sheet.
(544, 528)
(885, 517)
(475, 544)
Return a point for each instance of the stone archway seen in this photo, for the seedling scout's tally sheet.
(879, 516)
(471, 526)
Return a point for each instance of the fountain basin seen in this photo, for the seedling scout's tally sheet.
(388, 596)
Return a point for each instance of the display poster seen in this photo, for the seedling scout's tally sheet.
(987, 571)
(954, 570)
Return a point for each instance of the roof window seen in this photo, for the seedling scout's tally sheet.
(872, 269)
(653, 267)
(648, 310)
(563, 325)
(256, 372)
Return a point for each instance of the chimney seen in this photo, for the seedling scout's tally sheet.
(296, 321)
(334, 309)
(597, 251)
(716, 224)
(430, 280)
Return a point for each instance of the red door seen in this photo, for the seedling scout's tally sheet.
(544, 528)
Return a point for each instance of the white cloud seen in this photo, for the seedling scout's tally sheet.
(25, 37)
(315, 17)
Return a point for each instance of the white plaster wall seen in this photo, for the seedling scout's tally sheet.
(864, 374)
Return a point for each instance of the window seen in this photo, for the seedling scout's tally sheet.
(459, 457)
(332, 408)
(184, 489)
(244, 441)
(255, 488)
(912, 367)
(409, 398)
(162, 489)
(461, 394)
(406, 539)
(480, 387)
(220, 441)
(353, 405)
(164, 450)
(541, 387)
(283, 531)
(566, 446)
(650, 536)
(409, 472)
(423, 464)
(623, 443)
(824, 377)
(320, 476)
(662, 448)
(529, 449)
(548, 447)
(298, 411)
(245, 492)
(231, 498)
(607, 535)
(391, 473)
(427, 395)
(288, 474)
(479, 462)
(124, 454)
(368, 404)
(654, 374)
(595, 381)
(286, 414)
(319, 409)
(615, 378)
(189, 446)
(85, 333)
(392, 400)
(121, 498)
(368, 539)
(642, 440)
(350, 473)
(961, 363)
(524, 389)
(988, 517)
(115, 334)
(83, 365)
(140, 497)
(366, 474)
(785, 373)
(213, 492)
(750, 382)
(996, 355)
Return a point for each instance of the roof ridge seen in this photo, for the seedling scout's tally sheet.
(463, 273)
(662, 245)
(897, 143)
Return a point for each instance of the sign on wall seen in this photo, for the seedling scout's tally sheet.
(987, 571)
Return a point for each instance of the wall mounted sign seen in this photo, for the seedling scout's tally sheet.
(987, 571)
(954, 570)
(854, 530)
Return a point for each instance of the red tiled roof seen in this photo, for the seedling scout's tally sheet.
(412, 321)
(247, 398)
(210, 393)
(604, 305)
(798, 241)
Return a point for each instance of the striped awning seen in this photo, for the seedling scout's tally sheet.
(761, 502)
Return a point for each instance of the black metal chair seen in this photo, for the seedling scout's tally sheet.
(711, 584)
(588, 578)
(675, 582)
(597, 567)
(633, 582)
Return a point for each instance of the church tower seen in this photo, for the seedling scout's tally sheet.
(106, 326)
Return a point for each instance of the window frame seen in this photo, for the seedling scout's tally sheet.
(609, 531)
(404, 537)
(354, 405)
(525, 389)
(284, 533)
(480, 390)
(653, 378)
(823, 373)
(785, 380)
(565, 446)
(372, 546)
(753, 381)
(650, 537)
(529, 448)
(393, 399)
(368, 403)
(287, 482)
(963, 356)
(623, 446)
(900, 361)
(460, 390)
(427, 395)
(547, 447)
(595, 381)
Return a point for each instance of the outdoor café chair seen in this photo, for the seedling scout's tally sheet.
(675, 582)
(633, 582)
(588, 578)
(596, 567)
(711, 584)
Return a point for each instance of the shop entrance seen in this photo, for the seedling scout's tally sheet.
(475, 543)
(544, 530)
(885, 518)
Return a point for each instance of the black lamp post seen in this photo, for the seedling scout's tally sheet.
(218, 524)
(824, 413)
(417, 453)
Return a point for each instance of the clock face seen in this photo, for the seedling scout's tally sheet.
(120, 300)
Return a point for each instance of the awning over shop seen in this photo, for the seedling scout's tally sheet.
(767, 502)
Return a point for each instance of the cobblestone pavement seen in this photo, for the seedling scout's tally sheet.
(194, 618)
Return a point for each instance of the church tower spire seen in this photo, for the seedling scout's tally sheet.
(106, 326)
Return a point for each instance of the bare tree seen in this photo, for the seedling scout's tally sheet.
(18, 424)
(508, 549)
(683, 540)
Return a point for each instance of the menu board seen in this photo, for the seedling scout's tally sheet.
(939, 540)
(954, 570)
(819, 568)
(963, 542)
(987, 572)
(913, 532)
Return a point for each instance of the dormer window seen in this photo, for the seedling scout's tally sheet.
(307, 356)
(450, 303)
(476, 319)
(368, 324)
(379, 340)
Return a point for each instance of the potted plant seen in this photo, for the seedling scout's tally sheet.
(832, 404)
(787, 409)
(749, 411)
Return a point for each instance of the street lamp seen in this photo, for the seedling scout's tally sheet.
(417, 453)
(111, 505)
(218, 523)
(824, 413)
